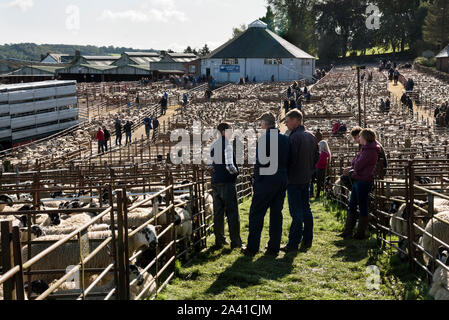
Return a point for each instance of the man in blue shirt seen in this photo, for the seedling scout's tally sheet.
(224, 192)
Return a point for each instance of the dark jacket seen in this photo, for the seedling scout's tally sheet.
(107, 135)
(221, 174)
(382, 163)
(155, 123)
(282, 158)
(303, 157)
(364, 164)
(118, 129)
(128, 127)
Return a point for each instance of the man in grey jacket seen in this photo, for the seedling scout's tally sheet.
(303, 157)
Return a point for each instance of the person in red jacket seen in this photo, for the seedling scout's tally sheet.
(363, 166)
(100, 139)
(325, 154)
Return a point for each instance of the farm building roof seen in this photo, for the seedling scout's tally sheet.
(258, 42)
(444, 53)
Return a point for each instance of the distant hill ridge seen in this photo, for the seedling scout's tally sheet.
(32, 51)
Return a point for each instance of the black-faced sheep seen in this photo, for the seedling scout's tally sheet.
(68, 253)
(5, 200)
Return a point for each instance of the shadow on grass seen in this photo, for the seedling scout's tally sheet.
(395, 271)
(355, 250)
(245, 272)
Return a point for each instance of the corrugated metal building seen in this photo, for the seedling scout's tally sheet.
(443, 60)
(130, 66)
(259, 53)
(34, 110)
(171, 63)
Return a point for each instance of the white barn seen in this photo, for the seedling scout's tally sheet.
(259, 53)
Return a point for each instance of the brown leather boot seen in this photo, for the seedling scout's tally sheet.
(363, 225)
(351, 220)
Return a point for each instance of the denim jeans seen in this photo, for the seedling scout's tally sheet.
(100, 147)
(301, 228)
(118, 140)
(269, 193)
(225, 201)
(359, 197)
(128, 137)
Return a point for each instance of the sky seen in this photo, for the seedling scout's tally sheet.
(140, 24)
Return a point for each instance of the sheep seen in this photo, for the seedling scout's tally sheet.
(68, 253)
(5, 200)
(138, 280)
(64, 230)
(440, 280)
(401, 227)
(183, 226)
(139, 216)
(439, 230)
(36, 232)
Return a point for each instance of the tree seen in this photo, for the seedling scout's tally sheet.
(296, 22)
(239, 30)
(436, 24)
(204, 51)
(188, 50)
(269, 19)
(340, 26)
(398, 24)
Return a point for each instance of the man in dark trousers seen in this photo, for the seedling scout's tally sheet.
(269, 188)
(155, 126)
(107, 137)
(224, 192)
(118, 133)
(128, 131)
(100, 139)
(302, 160)
(164, 103)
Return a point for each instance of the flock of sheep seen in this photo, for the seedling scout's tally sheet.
(333, 98)
(49, 228)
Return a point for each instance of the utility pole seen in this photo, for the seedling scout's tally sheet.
(364, 102)
(358, 96)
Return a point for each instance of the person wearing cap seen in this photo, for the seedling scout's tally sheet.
(303, 158)
(269, 189)
(224, 192)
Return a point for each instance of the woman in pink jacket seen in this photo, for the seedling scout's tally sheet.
(363, 167)
(320, 167)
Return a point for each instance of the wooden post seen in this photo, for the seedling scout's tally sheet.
(9, 291)
(18, 262)
(120, 250)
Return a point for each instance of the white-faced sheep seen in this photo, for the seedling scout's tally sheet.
(439, 230)
(440, 281)
(183, 226)
(68, 253)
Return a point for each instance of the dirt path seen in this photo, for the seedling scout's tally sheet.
(421, 113)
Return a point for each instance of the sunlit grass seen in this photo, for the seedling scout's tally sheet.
(332, 269)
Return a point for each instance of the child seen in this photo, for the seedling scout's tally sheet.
(321, 165)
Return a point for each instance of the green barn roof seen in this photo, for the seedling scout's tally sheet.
(258, 42)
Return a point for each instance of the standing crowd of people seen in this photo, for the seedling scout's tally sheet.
(295, 97)
(302, 158)
(103, 136)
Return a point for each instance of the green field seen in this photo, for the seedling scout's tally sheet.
(332, 269)
(374, 51)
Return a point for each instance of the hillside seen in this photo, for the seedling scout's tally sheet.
(32, 51)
